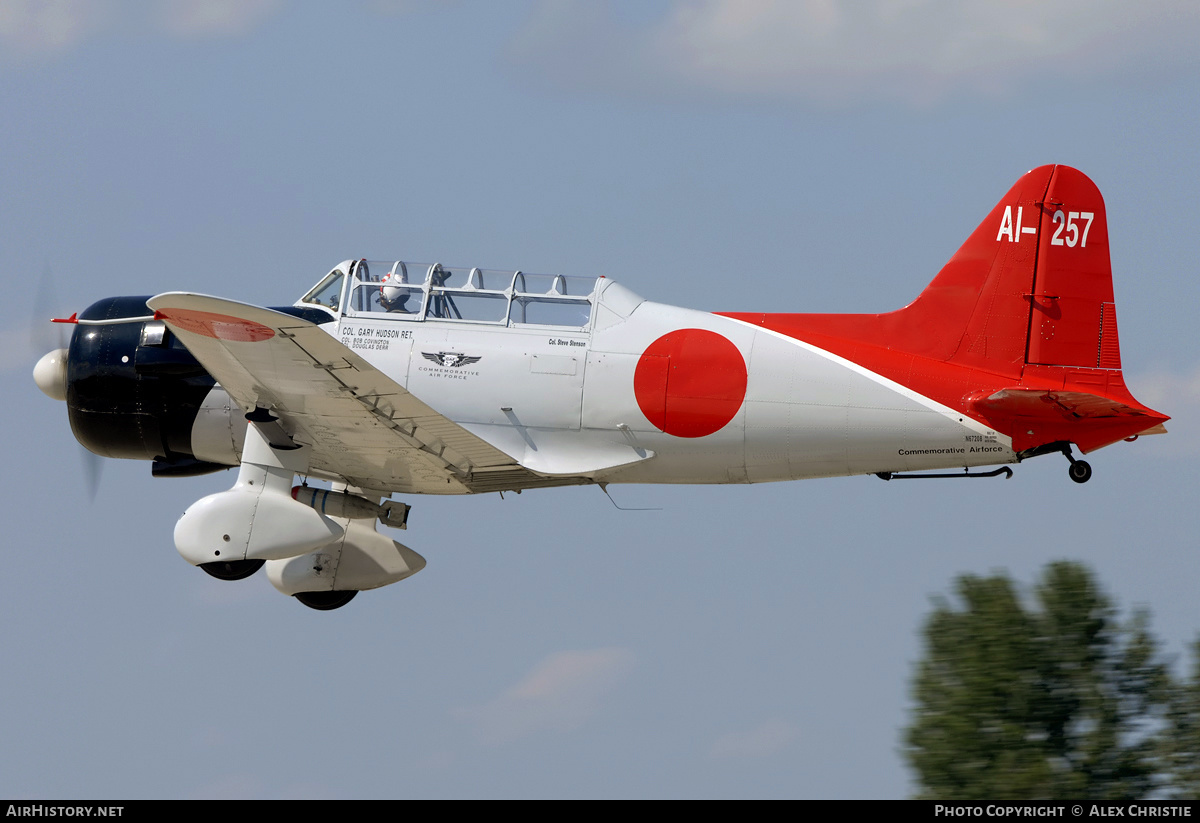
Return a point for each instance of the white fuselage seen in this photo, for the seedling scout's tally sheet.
(563, 401)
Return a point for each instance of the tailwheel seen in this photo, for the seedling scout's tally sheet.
(232, 569)
(325, 601)
(1080, 471)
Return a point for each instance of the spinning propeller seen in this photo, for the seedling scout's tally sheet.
(50, 372)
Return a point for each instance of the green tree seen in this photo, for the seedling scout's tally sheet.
(1180, 745)
(1048, 702)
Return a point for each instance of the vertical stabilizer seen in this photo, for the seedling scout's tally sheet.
(1017, 330)
(1031, 285)
(1072, 318)
(976, 311)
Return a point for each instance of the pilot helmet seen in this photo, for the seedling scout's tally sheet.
(392, 293)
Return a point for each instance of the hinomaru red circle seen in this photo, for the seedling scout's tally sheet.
(690, 382)
(220, 326)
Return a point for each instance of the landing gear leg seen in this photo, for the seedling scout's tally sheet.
(1080, 470)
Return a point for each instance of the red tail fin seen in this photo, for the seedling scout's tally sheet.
(976, 311)
(1073, 320)
(1025, 305)
(1038, 272)
(1032, 284)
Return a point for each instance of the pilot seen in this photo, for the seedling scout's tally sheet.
(393, 295)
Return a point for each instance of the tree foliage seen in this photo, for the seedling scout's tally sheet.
(1180, 745)
(1048, 701)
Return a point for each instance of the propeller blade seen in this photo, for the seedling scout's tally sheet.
(92, 468)
(45, 336)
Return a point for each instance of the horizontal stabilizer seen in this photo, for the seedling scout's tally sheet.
(1034, 402)
(1037, 416)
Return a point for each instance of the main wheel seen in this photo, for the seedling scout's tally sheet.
(232, 569)
(325, 601)
(1080, 471)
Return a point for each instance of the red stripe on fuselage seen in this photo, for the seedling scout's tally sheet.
(956, 386)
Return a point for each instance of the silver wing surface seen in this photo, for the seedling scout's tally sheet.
(363, 427)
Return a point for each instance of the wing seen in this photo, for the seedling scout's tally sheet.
(362, 426)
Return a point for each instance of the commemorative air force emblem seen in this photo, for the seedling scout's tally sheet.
(451, 359)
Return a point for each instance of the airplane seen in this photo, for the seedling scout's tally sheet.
(398, 378)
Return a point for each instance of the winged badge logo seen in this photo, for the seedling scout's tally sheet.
(451, 359)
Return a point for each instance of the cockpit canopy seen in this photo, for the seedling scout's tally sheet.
(420, 291)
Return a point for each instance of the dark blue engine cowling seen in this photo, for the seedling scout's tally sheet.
(133, 390)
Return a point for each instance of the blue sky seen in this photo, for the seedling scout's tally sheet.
(742, 642)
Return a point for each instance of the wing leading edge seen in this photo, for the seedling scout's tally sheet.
(362, 426)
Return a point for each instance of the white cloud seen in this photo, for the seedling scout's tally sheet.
(204, 18)
(917, 51)
(1176, 394)
(559, 694)
(42, 27)
(1168, 388)
(764, 740)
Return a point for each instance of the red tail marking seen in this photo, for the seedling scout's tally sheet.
(1025, 304)
(1074, 278)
